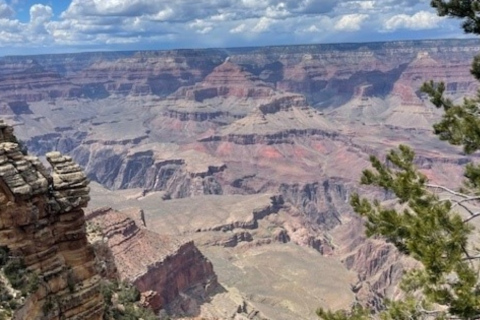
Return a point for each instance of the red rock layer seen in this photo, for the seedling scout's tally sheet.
(227, 80)
(160, 267)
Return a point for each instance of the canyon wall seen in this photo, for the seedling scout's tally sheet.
(160, 267)
(43, 225)
(188, 134)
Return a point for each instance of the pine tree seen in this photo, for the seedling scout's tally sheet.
(429, 228)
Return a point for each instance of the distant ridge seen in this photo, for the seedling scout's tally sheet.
(291, 48)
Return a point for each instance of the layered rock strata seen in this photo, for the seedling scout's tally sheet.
(283, 118)
(179, 174)
(147, 121)
(227, 80)
(28, 81)
(160, 267)
(42, 223)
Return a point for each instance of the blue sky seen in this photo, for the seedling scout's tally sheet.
(54, 26)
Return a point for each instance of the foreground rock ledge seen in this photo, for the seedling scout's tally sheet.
(163, 269)
(42, 222)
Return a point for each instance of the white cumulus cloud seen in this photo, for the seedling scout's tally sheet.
(141, 24)
(418, 21)
(40, 13)
(263, 25)
(350, 22)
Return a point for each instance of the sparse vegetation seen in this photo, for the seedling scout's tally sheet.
(33, 282)
(428, 228)
(15, 284)
(93, 228)
(16, 273)
(70, 280)
(121, 302)
(48, 305)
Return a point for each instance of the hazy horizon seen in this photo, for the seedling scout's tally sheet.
(106, 50)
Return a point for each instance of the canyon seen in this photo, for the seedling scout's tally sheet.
(220, 178)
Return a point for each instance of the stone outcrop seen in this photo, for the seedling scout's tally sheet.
(379, 265)
(155, 171)
(70, 185)
(277, 121)
(227, 80)
(161, 267)
(42, 223)
(321, 203)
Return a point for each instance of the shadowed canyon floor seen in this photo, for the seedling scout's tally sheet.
(251, 153)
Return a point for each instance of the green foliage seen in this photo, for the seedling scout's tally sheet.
(127, 293)
(107, 288)
(33, 282)
(426, 229)
(460, 124)
(16, 273)
(422, 225)
(4, 252)
(471, 184)
(19, 278)
(357, 313)
(408, 309)
(468, 10)
(121, 302)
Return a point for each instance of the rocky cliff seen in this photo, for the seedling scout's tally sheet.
(162, 268)
(43, 225)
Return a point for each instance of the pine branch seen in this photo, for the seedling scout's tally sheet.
(473, 216)
(429, 312)
(476, 198)
(458, 194)
(466, 198)
(471, 258)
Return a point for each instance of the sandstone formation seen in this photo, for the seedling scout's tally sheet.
(155, 168)
(161, 267)
(202, 139)
(43, 224)
(274, 122)
(227, 80)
